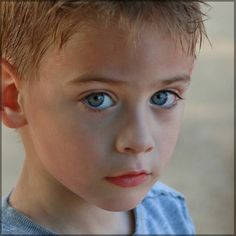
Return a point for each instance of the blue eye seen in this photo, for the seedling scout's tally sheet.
(98, 101)
(165, 99)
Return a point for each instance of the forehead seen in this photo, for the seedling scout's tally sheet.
(118, 52)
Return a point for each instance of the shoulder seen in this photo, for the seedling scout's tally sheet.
(162, 189)
(168, 201)
(14, 222)
(8, 229)
(164, 211)
(162, 198)
(6, 225)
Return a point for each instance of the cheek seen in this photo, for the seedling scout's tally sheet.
(167, 138)
(68, 152)
(167, 147)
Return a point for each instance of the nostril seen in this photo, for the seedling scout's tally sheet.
(149, 149)
(127, 149)
(138, 149)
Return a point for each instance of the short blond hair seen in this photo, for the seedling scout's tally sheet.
(29, 28)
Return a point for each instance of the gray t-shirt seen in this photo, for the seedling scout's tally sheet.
(162, 211)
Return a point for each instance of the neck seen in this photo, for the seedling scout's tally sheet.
(48, 203)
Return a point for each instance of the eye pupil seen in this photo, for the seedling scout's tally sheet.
(95, 99)
(160, 98)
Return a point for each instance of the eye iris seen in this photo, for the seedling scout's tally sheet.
(95, 99)
(160, 98)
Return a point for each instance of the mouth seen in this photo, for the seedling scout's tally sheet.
(130, 179)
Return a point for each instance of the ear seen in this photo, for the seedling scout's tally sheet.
(11, 112)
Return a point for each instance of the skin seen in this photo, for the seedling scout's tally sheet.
(70, 148)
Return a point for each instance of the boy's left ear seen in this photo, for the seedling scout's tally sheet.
(11, 110)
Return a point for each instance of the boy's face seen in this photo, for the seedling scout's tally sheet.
(104, 107)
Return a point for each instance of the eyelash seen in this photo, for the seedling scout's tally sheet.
(91, 109)
(177, 97)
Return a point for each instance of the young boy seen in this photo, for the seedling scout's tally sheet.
(96, 90)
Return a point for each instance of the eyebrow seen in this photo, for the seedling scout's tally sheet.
(89, 78)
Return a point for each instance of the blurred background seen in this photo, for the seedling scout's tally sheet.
(202, 167)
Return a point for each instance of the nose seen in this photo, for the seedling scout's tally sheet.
(135, 137)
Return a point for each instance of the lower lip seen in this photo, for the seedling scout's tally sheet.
(128, 181)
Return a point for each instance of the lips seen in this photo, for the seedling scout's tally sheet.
(130, 179)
